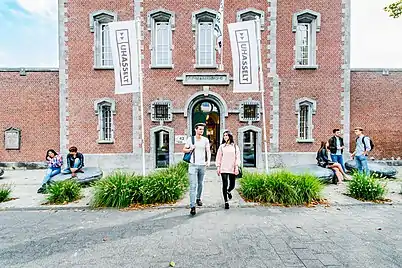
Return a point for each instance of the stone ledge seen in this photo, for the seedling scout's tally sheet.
(23, 165)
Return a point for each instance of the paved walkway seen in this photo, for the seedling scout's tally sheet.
(269, 237)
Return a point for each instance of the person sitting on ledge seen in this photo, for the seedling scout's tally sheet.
(323, 161)
(75, 162)
(54, 161)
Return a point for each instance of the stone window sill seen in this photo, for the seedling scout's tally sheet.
(103, 68)
(305, 67)
(105, 142)
(171, 66)
(305, 140)
(198, 66)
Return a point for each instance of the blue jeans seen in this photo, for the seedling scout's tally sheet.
(196, 174)
(50, 172)
(338, 158)
(76, 165)
(362, 165)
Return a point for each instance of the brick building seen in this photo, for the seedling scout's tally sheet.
(309, 86)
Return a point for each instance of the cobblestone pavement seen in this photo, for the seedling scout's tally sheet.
(348, 236)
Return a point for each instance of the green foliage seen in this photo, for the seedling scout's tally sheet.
(5, 192)
(394, 9)
(123, 189)
(63, 192)
(280, 188)
(365, 187)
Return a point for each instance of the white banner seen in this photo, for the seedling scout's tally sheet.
(123, 41)
(243, 41)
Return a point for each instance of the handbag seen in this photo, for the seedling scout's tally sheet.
(240, 175)
(187, 156)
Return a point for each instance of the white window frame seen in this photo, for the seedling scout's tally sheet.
(98, 106)
(248, 13)
(311, 110)
(98, 20)
(311, 20)
(154, 104)
(154, 19)
(241, 111)
(201, 18)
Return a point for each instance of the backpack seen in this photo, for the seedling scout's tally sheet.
(364, 144)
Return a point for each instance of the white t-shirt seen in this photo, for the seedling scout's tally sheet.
(199, 154)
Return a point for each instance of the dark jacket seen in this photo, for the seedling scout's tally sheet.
(332, 144)
(322, 158)
(71, 159)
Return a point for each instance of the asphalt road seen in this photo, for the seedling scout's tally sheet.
(354, 236)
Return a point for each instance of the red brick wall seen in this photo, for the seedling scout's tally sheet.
(30, 103)
(376, 106)
(85, 85)
(322, 85)
(162, 83)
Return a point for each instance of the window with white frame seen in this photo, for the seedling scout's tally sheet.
(105, 110)
(251, 14)
(161, 23)
(203, 25)
(306, 24)
(102, 48)
(305, 109)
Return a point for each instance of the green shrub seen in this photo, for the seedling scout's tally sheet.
(123, 189)
(5, 192)
(280, 188)
(119, 189)
(63, 192)
(366, 187)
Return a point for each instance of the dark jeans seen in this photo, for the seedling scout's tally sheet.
(232, 182)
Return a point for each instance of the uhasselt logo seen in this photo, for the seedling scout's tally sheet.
(243, 44)
(123, 47)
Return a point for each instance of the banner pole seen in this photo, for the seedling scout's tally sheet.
(138, 29)
(262, 89)
(221, 67)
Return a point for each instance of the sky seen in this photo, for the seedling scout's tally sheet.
(29, 37)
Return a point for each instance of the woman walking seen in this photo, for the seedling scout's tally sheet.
(54, 161)
(228, 162)
(323, 161)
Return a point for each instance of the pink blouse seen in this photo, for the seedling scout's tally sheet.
(228, 157)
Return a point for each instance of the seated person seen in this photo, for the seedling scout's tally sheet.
(323, 161)
(75, 162)
(54, 162)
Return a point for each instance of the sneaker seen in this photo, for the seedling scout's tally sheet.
(42, 189)
(229, 195)
(226, 205)
(192, 211)
(199, 203)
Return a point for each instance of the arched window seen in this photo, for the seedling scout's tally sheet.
(161, 23)
(203, 22)
(162, 149)
(249, 148)
(305, 109)
(305, 24)
(250, 14)
(105, 109)
(102, 48)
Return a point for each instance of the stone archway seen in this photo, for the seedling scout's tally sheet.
(206, 97)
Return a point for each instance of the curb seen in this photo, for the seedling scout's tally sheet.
(246, 205)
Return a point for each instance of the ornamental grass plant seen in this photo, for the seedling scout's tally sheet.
(366, 187)
(5, 192)
(62, 192)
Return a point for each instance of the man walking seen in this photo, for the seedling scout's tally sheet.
(199, 146)
(363, 146)
(336, 147)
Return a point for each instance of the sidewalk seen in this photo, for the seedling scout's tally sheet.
(26, 182)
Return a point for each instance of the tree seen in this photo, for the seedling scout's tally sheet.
(394, 9)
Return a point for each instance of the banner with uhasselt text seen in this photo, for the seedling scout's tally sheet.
(243, 42)
(123, 41)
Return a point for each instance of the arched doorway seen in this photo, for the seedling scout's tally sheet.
(207, 112)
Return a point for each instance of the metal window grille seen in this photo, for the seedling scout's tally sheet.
(250, 112)
(106, 50)
(304, 122)
(106, 123)
(161, 112)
